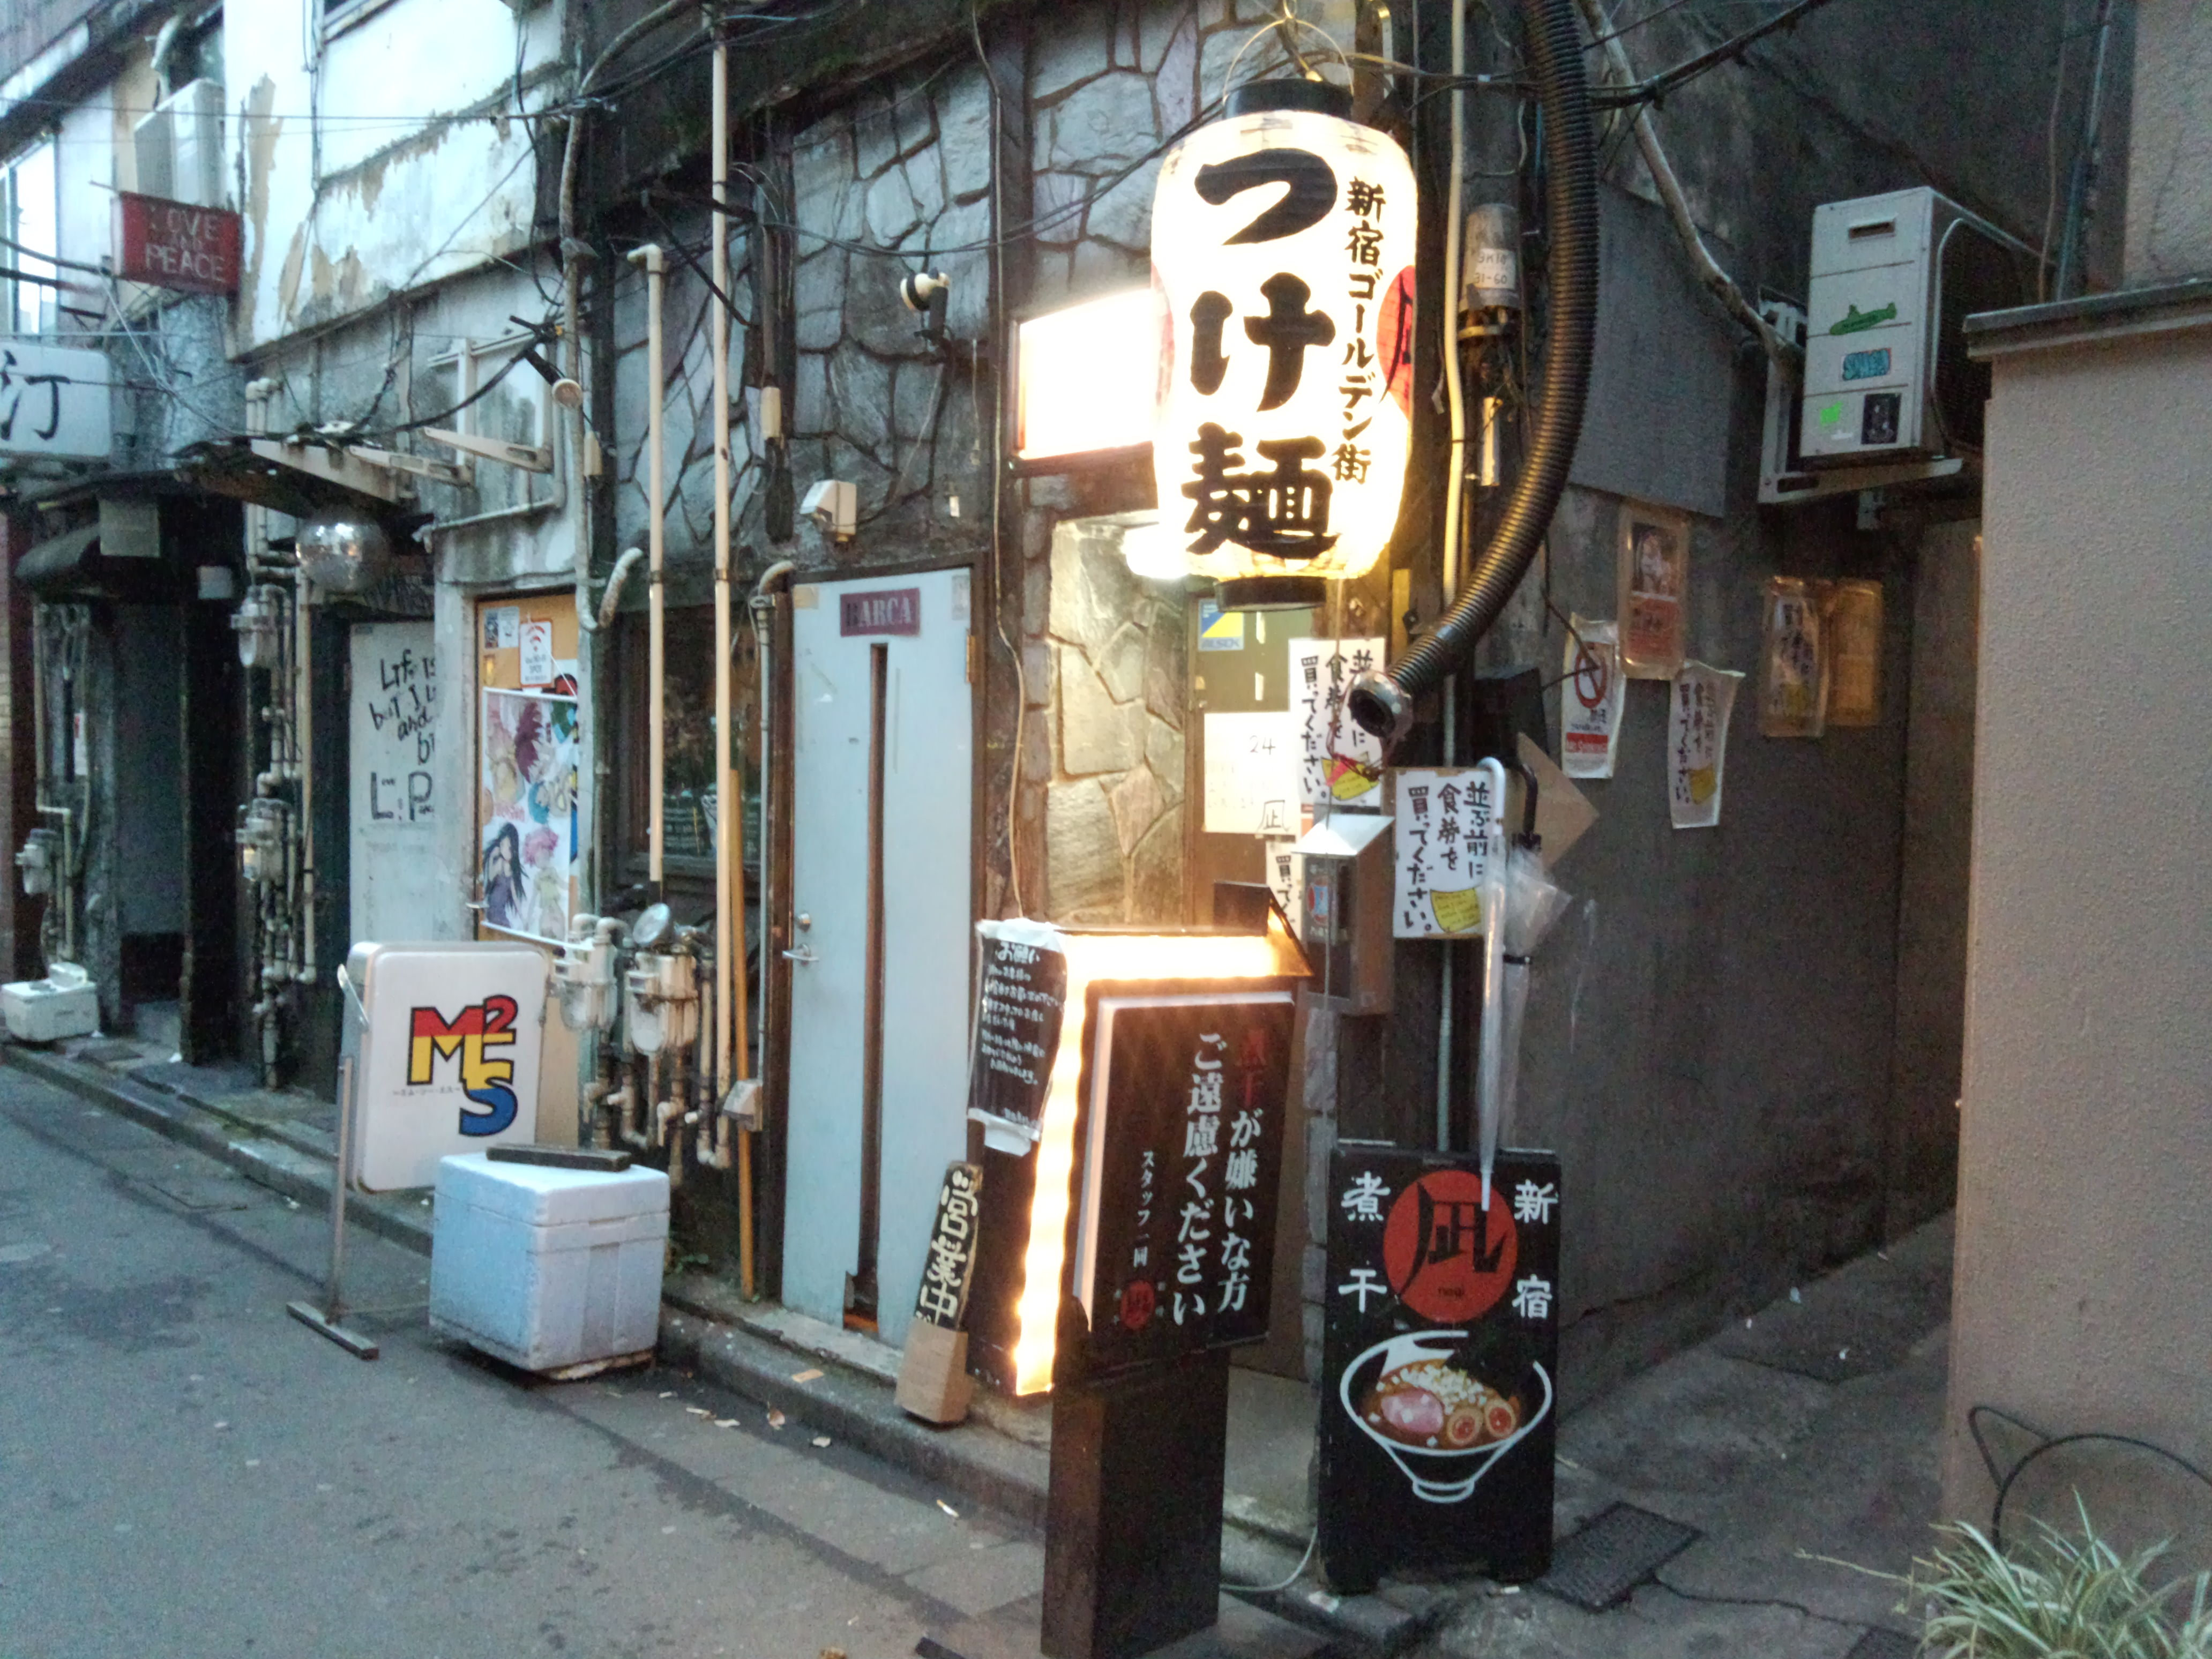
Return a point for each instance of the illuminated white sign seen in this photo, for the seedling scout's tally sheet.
(1283, 244)
(1088, 377)
(54, 402)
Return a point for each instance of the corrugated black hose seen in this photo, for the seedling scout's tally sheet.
(1382, 701)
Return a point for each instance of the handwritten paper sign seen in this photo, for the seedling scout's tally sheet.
(1450, 827)
(1251, 774)
(1286, 880)
(1590, 695)
(1697, 743)
(1793, 686)
(1176, 1233)
(1340, 762)
(1440, 1342)
(1017, 1020)
(943, 1296)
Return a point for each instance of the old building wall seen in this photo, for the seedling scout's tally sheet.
(2169, 216)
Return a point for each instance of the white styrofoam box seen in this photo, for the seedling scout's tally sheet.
(48, 1010)
(547, 1268)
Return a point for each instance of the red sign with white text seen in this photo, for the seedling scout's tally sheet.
(174, 245)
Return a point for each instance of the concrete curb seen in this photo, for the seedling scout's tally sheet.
(969, 1461)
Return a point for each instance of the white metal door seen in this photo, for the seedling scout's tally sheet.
(392, 736)
(926, 921)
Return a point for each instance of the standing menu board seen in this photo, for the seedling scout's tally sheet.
(1183, 1148)
(1440, 1347)
(1017, 1017)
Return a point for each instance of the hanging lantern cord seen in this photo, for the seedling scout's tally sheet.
(1383, 701)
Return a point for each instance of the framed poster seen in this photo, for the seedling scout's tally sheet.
(527, 839)
(1440, 1343)
(1655, 588)
(1184, 1107)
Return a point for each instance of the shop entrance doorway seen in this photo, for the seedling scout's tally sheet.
(883, 792)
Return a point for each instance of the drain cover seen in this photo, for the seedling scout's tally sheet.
(1879, 1643)
(1600, 1565)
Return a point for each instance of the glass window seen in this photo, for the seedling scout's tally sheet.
(31, 215)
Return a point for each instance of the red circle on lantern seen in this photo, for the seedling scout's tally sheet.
(1138, 1301)
(1448, 1258)
(1394, 339)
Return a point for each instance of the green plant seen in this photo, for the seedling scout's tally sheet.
(2060, 1597)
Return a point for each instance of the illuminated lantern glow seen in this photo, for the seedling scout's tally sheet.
(1283, 241)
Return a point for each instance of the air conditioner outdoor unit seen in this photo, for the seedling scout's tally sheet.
(1888, 394)
(180, 147)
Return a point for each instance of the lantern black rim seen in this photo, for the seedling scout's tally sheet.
(1316, 97)
(1272, 593)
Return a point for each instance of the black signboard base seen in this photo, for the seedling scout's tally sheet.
(1132, 1519)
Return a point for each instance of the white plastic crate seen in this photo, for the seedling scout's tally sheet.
(547, 1268)
(48, 1010)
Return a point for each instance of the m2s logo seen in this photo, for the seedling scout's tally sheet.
(487, 1024)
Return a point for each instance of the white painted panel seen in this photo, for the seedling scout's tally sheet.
(392, 742)
(927, 783)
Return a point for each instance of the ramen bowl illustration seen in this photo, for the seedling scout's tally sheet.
(1444, 1427)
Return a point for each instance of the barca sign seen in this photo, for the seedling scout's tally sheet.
(450, 1039)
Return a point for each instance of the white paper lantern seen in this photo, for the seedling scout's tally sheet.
(1283, 239)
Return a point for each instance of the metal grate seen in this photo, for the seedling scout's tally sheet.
(1600, 1565)
(1879, 1643)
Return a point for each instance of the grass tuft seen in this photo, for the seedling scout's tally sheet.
(2060, 1597)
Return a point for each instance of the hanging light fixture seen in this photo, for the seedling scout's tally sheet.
(1283, 239)
(342, 552)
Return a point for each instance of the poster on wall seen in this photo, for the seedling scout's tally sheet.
(1793, 684)
(393, 891)
(1697, 743)
(1021, 993)
(1654, 586)
(1251, 774)
(528, 833)
(1340, 762)
(1440, 1342)
(1450, 829)
(1590, 694)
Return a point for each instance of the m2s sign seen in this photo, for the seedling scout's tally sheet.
(450, 1045)
(466, 1038)
(175, 245)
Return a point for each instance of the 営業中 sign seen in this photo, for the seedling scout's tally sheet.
(1439, 1364)
(1182, 1151)
(944, 1293)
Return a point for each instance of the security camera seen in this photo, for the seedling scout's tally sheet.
(926, 293)
(833, 504)
(920, 288)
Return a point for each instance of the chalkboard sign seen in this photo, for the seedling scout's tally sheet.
(944, 1293)
(1439, 1364)
(1016, 1025)
(1182, 1145)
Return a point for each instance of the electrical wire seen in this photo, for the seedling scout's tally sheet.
(1651, 89)
(1281, 1584)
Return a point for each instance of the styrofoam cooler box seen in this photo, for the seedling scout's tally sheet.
(546, 1268)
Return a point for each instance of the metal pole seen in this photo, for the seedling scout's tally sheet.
(326, 1319)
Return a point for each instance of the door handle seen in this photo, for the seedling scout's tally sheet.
(802, 955)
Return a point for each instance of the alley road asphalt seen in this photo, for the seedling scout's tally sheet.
(186, 1471)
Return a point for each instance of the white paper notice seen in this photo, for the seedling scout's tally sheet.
(1697, 743)
(1251, 774)
(538, 667)
(1286, 871)
(1340, 763)
(1450, 825)
(502, 625)
(1590, 701)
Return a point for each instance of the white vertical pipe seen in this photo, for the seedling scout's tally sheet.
(729, 833)
(1454, 490)
(655, 265)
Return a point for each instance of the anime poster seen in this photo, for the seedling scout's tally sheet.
(530, 746)
(1440, 1344)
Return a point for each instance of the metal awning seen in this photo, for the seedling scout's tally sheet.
(70, 566)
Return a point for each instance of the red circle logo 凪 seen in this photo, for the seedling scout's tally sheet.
(1448, 1258)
